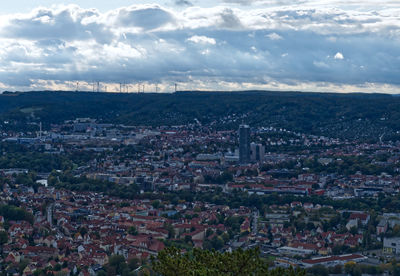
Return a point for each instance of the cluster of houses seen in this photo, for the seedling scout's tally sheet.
(80, 231)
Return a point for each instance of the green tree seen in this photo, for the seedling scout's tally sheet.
(116, 264)
(337, 269)
(188, 239)
(133, 263)
(10, 212)
(156, 204)
(318, 270)
(22, 265)
(353, 269)
(3, 237)
(132, 231)
(170, 229)
(171, 262)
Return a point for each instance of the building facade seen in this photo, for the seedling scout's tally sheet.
(257, 152)
(391, 245)
(244, 144)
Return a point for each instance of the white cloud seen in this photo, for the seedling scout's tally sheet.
(274, 36)
(321, 64)
(202, 39)
(338, 55)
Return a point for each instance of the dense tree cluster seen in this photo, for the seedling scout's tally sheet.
(237, 198)
(82, 183)
(10, 212)
(171, 262)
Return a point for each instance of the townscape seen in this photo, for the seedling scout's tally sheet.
(80, 194)
(199, 138)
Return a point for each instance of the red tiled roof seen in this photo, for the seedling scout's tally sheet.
(333, 258)
(361, 216)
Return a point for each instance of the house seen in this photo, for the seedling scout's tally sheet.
(100, 258)
(324, 251)
(352, 223)
(29, 270)
(50, 241)
(362, 217)
(148, 244)
(94, 269)
(295, 204)
(391, 245)
(245, 226)
(13, 257)
(308, 206)
(42, 251)
(382, 227)
(22, 243)
(197, 235)
(353, 241)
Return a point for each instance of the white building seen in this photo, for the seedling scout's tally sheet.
(334, 260)
(293, 251)
(391, 245)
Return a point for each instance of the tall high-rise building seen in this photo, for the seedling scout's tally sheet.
(244, 144)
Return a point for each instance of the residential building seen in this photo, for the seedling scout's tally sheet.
(391, 245)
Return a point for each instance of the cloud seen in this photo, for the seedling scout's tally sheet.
(265, 2)
(184, 3)
(230, 20)
(64, 23)
(202, 39)
(274, 36)
(276, 47)
(321, 64)
(241, 2)
(338, 55)
(144, 17)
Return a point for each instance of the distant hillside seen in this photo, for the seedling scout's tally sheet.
(338, 115)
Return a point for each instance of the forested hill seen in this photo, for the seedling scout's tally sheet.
(343, 115)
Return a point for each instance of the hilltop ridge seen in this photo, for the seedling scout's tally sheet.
(351, 116)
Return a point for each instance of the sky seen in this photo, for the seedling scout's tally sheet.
(297, 45)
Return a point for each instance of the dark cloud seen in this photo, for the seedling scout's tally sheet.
(145, 18)
(184, 3)
(48, 24)
(230, 20)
